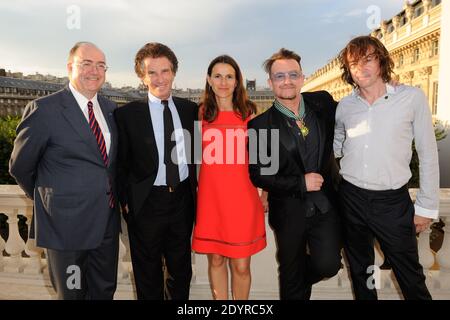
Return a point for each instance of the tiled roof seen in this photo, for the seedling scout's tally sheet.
(8, 82)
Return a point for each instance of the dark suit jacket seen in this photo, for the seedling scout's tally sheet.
(287, 187)
(138, 153)
(57, 162)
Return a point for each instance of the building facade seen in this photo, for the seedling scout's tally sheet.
(412, 39)
(16, 93)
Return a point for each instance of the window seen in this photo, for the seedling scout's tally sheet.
(418, 11)
(400, 60)
(402, 21)
(416, 55)
(435, 3)
(435, 48)
(435, 98)
(390, 28)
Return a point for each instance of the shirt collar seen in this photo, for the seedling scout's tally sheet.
(390, 90)
(155, 100)
(80, 98)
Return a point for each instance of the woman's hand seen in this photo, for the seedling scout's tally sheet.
(264, 202)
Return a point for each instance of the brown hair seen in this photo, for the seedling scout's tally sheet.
(154, 50)
(357, 48)
(241, 104)
(282, 54)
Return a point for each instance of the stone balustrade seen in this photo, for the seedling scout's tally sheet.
(23, 272)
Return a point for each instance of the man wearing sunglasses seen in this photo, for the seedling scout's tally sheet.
(297, 131)
(64, 159)
(375, 127)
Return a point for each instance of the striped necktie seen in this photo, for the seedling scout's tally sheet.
(101, 144)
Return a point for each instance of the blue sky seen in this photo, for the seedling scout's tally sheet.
(37, 35)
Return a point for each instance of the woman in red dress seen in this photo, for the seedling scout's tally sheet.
(230, 225)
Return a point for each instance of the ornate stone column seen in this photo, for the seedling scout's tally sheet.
(443, 108)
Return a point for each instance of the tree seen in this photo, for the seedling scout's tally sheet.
(8, 126)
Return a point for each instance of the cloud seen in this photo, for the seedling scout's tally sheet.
(37, 36)
(341, 16)
(355, 13)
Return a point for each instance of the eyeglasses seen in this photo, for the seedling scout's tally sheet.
(363, 61)
(88, 65)
(281, 76)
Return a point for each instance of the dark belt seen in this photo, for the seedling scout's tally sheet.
(171, 189)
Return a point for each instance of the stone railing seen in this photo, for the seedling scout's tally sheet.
(24, 263)
(23, 272)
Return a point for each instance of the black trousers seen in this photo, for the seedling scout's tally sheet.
(299, 270)
(387, 216)
(162, 232)
(87, 274)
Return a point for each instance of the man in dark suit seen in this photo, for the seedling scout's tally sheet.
(64, 159)
(302, 198)
(157, 178)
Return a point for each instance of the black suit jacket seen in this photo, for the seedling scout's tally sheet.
(137, 164)
(287, 186)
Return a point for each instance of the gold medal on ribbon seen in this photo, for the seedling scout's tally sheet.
(304, 130)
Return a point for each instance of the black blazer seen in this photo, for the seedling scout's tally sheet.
(287, 186)
(137, 162)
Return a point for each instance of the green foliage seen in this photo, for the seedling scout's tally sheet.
(440, 131)
(8, 126)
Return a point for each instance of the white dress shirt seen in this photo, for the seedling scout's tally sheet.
(82, 103)
(157, 116)
(374, 142)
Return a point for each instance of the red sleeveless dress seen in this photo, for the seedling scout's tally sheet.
(230, 216)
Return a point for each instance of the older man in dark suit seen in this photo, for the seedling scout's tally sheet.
(64, 159)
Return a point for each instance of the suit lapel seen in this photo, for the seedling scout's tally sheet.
(186, 124)
(180, 110)
(287, 138)
(144, 124)
(109, 118)
(73, 114)
(321, 127)
(314, 107)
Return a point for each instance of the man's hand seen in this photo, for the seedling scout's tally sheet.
(313, 181)
(421, 223)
